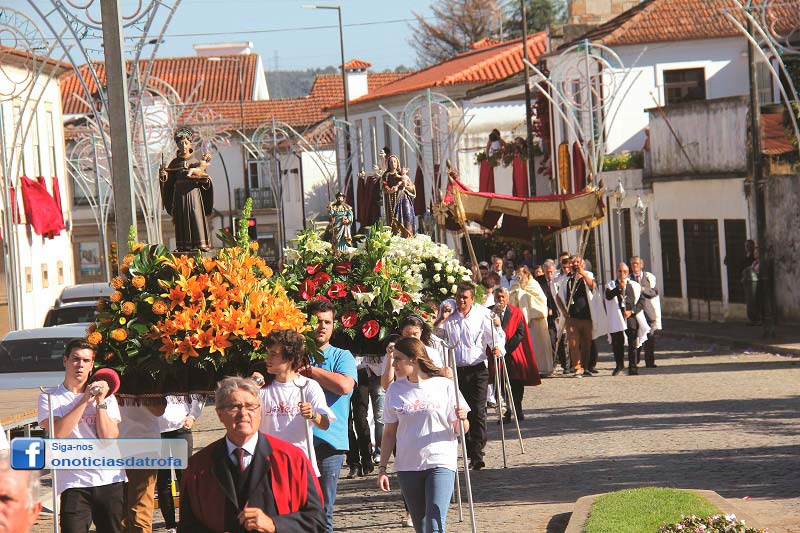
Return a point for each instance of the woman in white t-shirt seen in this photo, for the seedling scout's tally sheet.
(421, 415)
(284, 415)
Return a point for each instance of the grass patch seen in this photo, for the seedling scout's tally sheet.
(644, 510)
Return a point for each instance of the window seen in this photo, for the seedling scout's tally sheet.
(60, 270)
(764, 78)
(684, 85)
(735, 235)
(252, 173)
(670, 258)
(28, 279)
(373, 140)
(703, 273)
(45, 276)
(626, 228)
(387, 133)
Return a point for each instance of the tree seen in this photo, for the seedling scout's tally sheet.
(457, 25)
(540, 14)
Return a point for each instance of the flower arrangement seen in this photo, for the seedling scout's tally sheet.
(371, 289)
(506, 155)
(177, 323)
(437, 265)
(712, 524)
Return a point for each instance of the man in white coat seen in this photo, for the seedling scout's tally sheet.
(626, 322)
(651, 305)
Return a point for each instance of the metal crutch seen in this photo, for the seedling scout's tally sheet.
(498, 390)
(309, 442)
(513, 407)
(452, 365)
(451, 351)
(50, 433)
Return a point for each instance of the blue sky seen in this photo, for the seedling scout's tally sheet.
(385, 45)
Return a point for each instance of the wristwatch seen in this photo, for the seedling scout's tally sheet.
(103, 405)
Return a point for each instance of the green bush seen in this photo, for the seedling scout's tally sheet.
(623, 161)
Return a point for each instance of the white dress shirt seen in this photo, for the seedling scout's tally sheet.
(508, 283)
(472, 334)
(249, 447)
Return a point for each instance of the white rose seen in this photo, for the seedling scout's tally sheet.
(466, 277)
(453, 289)
(443, 290)
(437, 266)
(437, 278)
(451, 279)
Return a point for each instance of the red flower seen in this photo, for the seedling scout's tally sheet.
(321, 278)
(403, 297)
(378, 266)
(337, 290)
(343, 267)
(349, 319)
(359, 287)
(370, 328)
(396, 286)
(307, 290)
(322, 297)
(313, 269)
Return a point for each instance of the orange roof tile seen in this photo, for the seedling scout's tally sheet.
(355, 64)
(483, 43)
(775, 138)
(682, 20)
(218, 80)
(485, 64)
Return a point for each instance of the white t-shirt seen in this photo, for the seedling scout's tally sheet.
(281, 414)
(178, 408)
(63, 401)
(425, 413)
(434, 353)
(138, 423)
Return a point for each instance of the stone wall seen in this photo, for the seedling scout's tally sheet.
(783, 235)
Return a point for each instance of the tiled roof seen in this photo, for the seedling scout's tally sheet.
(357, 64)
(485, 64)
(218, 80)
(483, 43)
(775, 138)
(681, 20)
(25, 55)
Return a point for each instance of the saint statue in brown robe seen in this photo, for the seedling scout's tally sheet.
(188, 194)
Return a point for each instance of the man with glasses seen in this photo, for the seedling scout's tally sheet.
(248, 481)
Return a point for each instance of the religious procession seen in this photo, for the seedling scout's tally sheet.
(529, 284)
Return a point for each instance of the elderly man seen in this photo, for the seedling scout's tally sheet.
(651, 305)
(248, 481)
(473, 330)
(19, 494)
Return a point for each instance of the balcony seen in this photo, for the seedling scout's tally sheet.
(262, 198)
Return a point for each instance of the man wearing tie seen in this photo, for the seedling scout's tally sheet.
(249, 481)
(550, 288)
(623, 302)
(651, 305)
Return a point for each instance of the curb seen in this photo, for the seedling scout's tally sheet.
(775, 349)
(583, 506)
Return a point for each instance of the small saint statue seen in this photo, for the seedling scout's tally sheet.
(187, 194)
(341, 219)
(399, 193)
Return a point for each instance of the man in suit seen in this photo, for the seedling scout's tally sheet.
(550, 288)
(520, 359)
(248, 481)
(625, 300)
(650, 306)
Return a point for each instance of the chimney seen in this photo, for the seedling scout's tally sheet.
(591, 12)
(223, 49)
(356, 76)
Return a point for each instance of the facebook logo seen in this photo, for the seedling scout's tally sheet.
(27, 453)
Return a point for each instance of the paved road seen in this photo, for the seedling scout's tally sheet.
(707, 418)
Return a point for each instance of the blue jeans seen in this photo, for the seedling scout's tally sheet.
(329, 462)
(427, 494)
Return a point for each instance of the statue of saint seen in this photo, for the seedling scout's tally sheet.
(187, 194)
(398, 198)
(341, 219)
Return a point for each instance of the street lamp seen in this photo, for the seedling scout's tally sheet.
(348, 182)
(641, 211)
(238, 62)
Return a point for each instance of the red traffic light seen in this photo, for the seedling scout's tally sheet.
(251, 222)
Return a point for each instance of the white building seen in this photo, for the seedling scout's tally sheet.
(32, 146)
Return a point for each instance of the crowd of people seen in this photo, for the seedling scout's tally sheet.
(298, 418)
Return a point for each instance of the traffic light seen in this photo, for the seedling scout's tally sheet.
(252, 230)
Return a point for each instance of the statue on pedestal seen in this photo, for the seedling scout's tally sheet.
(341, 219)
(188, 194)
(399, 193)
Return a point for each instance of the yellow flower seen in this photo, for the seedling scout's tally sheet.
(118, 282)
(94, 337)
(128, 308)
(123, 320)
(138, 281)
(115, 297)
(254, 246)
(159, 307)
(137, 246)
(119, 334)
(128, 259)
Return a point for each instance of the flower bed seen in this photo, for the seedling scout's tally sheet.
(718, 523)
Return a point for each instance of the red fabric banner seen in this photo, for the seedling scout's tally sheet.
(486, 183)
(519, 178)
(14, 206)
(41, 210)
(57, 196)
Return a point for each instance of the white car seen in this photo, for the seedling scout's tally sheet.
(33, 357)
(85, 292)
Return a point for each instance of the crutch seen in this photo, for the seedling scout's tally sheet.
(498, 390)
(510, 399)
(309, 442)
(513, 407)
(452, 365)
(451, 351)
(51, 433)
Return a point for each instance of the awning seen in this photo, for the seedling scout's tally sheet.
(522, 215)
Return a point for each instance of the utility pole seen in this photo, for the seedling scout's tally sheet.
(119, 121)
(528, 109)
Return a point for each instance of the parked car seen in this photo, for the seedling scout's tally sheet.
(37, 349)
(85, 292)
(71, 313)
